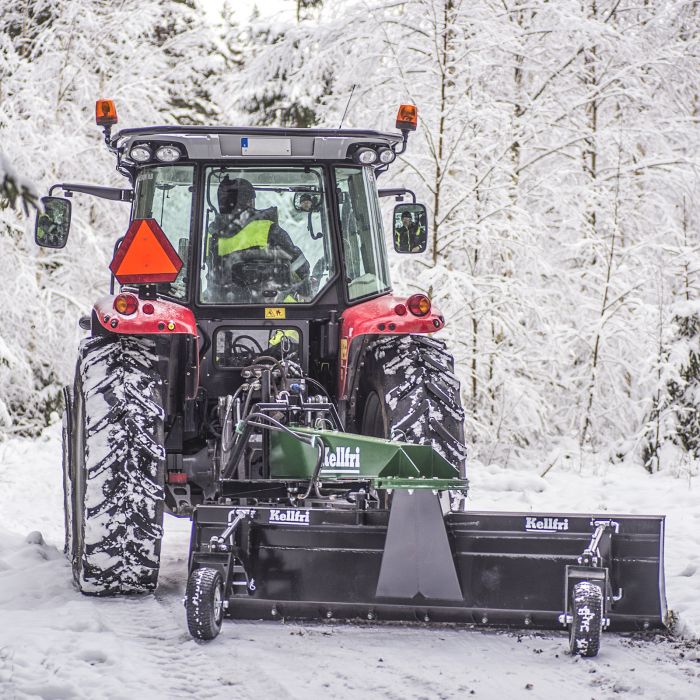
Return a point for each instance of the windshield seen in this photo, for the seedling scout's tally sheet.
(164, 193)
(266, 236)
(361, 230)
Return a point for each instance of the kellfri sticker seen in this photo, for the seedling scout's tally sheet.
(275, 312)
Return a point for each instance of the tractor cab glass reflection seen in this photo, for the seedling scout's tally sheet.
(266, 236)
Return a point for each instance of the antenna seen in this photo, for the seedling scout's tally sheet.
(352, 92)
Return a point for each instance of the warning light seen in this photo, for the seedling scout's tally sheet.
(105, 113)
(145, 256)
(407, 118)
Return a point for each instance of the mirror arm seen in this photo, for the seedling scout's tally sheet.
(398, 193)
(114, 193)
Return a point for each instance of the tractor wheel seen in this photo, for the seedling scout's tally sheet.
(587, 619)
(408, 391)
(204, 602)
(67, 475)
(116, 465)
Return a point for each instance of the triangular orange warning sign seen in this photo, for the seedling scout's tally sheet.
(145, 255)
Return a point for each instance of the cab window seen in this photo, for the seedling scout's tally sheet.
(366, 267)
(266, 236)
(164, 193)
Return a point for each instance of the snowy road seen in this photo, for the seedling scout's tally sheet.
(54, 643)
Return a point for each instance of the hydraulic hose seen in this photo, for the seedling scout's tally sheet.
(312, 440)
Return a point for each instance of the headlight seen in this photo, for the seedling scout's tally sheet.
(140, 153)
(168, 154)
(386, 155)
(366, 156)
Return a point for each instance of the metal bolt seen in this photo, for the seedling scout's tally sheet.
(273, 612)
(484, 620)
(527, 621)
(370, 615)
(426, 618)
(329, 614)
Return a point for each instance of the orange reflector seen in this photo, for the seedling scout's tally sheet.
(407, 118)
(418, 305)
(145, 255)
(105, 113)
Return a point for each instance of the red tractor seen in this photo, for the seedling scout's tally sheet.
(249, 250)
(255, 372)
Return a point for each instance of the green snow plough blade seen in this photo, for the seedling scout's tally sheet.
(387, 464)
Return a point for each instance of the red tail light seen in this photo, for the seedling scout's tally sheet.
(126, 304)
(177, 477)
(400, 310)
(418, 305)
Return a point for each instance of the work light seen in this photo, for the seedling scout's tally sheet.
(141, 153)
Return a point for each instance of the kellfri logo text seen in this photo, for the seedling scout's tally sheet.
(546, 524)
(289, 517)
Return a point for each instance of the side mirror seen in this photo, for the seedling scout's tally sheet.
(306, 201)
(53, 224)
(410, 227)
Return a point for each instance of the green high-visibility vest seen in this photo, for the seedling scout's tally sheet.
(252, 235)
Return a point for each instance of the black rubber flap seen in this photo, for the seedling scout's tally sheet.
(417, 557)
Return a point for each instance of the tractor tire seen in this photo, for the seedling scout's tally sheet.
(67, 478)
(587, 619)
(408, 391)
(115, 464)
(204, 603)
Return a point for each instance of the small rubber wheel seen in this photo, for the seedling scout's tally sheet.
(587, 623)
(204, 602)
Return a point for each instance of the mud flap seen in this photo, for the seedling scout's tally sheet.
(417, 558)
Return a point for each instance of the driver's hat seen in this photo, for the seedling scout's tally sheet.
(235, 194)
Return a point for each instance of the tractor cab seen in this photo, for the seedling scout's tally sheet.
(266, 235)
(271, 238)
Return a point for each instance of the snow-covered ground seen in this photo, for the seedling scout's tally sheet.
(55, 643)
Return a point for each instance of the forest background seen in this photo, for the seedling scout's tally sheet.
(558, 153)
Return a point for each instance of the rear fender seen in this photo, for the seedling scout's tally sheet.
(168, 319)
(372, 318)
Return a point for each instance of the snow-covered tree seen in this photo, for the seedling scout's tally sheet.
(554, 141)
(56, 59)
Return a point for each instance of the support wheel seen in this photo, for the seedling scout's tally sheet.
(114, 464)
(408, 391)
(204, 602)
(587, 619)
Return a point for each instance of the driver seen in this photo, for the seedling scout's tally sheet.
(239, 227)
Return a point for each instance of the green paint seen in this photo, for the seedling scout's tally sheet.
(387, 463)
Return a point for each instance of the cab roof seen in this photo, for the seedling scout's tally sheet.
(254, 143)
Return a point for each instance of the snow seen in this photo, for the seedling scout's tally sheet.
(55, 643)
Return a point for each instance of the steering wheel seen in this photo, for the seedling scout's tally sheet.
(258, 275)
(245, 348)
